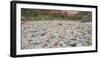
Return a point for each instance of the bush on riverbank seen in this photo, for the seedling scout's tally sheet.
(30, 15)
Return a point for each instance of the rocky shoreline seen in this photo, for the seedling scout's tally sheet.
(55, 34)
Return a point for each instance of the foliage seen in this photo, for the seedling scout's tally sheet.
(30, 15)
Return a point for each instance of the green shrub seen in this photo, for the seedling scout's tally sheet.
(30, 14)
(87, 18)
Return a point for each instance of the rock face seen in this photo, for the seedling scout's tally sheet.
(58, 12)
(55, 34)
(71, 13)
